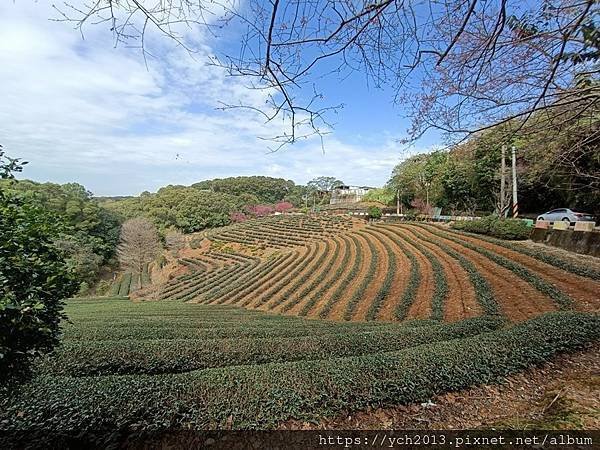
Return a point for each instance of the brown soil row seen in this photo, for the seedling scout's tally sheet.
(265, 281)
(461, 302)
(388, 307)
(383, 265)
(518, 300)
(421, 307)
(584, 291)
(335, 284)
(326, 284)
(249, 278)
(337, 312)
(308, 267)
(328, 266)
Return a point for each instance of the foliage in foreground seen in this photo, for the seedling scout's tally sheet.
(260, 396)
(84, 358)
(34, 278)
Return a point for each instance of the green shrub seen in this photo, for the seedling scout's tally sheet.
(84, 289)
(510, 229)
(102, 287)
(374, 212)
(264, 395)
(34, 279)
(86, 358)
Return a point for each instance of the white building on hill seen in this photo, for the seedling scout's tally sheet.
(348, 194)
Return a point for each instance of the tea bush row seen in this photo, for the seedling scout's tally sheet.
(263, 396)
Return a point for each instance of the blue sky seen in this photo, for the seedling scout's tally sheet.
(82, 110)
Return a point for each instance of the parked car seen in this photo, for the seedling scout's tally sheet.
(566, 215)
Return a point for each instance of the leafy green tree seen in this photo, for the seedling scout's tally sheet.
(34, 278)
(90, 232)
(263, 189)
(385, 195)
(9, 165)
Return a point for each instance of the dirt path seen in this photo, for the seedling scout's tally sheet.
(383, 265)
(563, 394)
(461, 302)
(584, 291)
(337, 312)
(517, 299)
(336, 283)
(386, 312)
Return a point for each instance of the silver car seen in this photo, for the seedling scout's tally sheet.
(566, 215)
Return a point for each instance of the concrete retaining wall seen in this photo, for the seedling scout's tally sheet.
(584, 242)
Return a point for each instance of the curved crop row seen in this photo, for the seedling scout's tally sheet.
(189, 291)
(239, 297)
(359, 292)
(222, 294)
(562, 300)
(265, 395)
(337, 293)
(272, 266)
(268, 287)
(351, 276)
(317, 278)
(329, 277)
(414, 280)
(440, 291)
(483, 291)
(384, 291)
(540, 254)
(303, 276)
(85, 358)
(223, 282)
(282, 231)
(220, 277)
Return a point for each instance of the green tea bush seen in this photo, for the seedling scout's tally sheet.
(560, 298)
(440, 291)
(509, 229)
(483, 291)
(547, 257)
(336, 295)
(262, 396)
(85, 358)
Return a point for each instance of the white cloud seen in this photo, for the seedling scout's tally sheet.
(85, 111)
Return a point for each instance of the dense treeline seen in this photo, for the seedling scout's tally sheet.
(258, 188)
(89, 234)
(551, 172)
(210, 203)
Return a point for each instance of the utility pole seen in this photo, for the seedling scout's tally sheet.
(515, 205)
(503, 182)
(397, 202)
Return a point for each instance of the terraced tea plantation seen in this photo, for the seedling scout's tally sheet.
(282, 231)
(391, 273)
(245, 339)
(150, 365)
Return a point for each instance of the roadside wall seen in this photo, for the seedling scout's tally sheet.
(584, 242)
